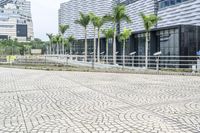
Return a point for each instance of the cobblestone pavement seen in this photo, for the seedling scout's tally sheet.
(76, 102)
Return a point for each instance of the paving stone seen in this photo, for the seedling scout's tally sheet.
(78, 102)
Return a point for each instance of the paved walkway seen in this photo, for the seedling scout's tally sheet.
(74, 102)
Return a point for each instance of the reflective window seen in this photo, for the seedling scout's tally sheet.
(167, 3)
(169, 42)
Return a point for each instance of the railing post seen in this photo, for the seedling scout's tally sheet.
(93, 62)
(133, 58)
(198, 64)
(157, 63)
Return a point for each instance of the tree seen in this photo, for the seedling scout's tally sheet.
(54, 42)
(97, 22)
(63, 29)
(108, 34)
(66, 44)
(94, 19)
(57, 39)
(84, 21)
(50, 36)
(149, 22)
(100, 23)
(123, 37)
(118, 15)
(71, 40)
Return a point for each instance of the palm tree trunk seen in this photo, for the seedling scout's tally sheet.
(114, 45)
(106, 50)
(94, 50)
(53, 48)
(57, 49)
(124, 54)
(86, 45)
(50, 48)
(47, 50)
(98, 48)
(70, 50)
(146, 50)
(63, 48)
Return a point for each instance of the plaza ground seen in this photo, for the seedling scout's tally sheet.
(33, 101)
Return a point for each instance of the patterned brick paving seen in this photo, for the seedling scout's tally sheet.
(77, 102)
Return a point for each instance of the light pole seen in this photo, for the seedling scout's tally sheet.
(198, 61)
(157, 54)
(133, 57)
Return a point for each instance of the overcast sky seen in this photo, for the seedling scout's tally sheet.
(45, 17)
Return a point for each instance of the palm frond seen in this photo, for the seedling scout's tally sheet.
(125, 34)
(109, 33)
(84, 20)
(149, 20)
(63, 28)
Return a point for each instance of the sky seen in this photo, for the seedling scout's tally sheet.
(45, 17)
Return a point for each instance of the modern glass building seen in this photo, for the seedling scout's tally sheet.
(176, 34)
(16, 20)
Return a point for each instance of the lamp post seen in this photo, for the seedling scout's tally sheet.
(198, 61)
(157, 54)
(133, 57)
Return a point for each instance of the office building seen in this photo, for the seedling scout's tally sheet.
(176, 34)
(16, 20)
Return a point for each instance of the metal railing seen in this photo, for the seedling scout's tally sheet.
(188, 63)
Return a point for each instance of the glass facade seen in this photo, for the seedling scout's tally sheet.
(168, 42)
(174, 42)
(140, 42)
(190, 40)
(127, 2)
(22, 31)
(167, 3)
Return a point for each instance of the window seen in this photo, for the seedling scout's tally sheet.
(167, 3)
(172, 2)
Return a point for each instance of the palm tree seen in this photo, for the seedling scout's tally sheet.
(84, 22)
(100, 23)
(54, 42)
(50, 36)
(94, 20)
(66, 44)
(123, 37)
(63, 29)
(149, 22)
(71, 40)
(57, 39)
(97, 22)
(118, 15)
(108, 34)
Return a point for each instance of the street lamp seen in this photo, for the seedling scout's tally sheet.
(198, 61)
(133, 56)
(157, 54)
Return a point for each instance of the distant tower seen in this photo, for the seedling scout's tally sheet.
(16, 20)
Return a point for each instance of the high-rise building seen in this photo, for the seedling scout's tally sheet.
(16, 20)
(177, 33)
